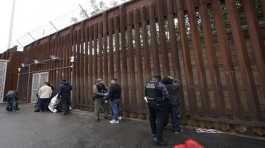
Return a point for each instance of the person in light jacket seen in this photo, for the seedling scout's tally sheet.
(44, 95)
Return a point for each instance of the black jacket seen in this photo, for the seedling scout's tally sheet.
(114, 92)
(173, 87)
(65, 89)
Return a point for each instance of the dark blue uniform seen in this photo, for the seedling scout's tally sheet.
(157, 94)
(65, 95)
(173, 87)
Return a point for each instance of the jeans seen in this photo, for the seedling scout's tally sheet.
(115, 106)
(11, 104)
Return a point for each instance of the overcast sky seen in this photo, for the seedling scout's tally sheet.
(31, 14)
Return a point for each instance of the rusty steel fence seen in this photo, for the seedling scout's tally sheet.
(215, 47)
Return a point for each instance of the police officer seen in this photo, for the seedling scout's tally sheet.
(156, 95)
(173, 87)
(65, 94)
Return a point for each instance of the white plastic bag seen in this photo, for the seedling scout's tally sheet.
(53, 103)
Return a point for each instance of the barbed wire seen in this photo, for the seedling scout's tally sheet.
(79, 13)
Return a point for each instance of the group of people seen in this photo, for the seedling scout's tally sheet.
(103, 97)
(46, 93)
(162, 97)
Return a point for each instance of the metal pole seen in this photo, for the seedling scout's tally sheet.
(28, 85)
(18, 79)
(11, 24)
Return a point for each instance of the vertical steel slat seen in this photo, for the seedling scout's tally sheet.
(145, 48)
(138, 63)
(100, 51)
(131, 65)
(96, 51)
(105, 47)
(86, 76)
(90, 64)
(154, 44)
(124, 72)
(77, 67)
(111, 56)
(256, 40)
(81, 64)
(117, 49)
(162, 37)
(173, 40)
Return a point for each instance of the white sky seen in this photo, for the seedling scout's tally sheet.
(31, 14)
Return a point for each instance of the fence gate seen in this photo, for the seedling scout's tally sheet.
(3, 66)
(37, 81)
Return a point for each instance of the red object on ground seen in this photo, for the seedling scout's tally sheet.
(190, 143)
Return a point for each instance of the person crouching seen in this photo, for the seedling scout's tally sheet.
(11, 99)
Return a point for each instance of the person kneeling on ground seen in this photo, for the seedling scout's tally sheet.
(114, 95)
(11, 99)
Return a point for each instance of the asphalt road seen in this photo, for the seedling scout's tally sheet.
(26, 129)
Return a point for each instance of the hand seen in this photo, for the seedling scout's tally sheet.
(106, 101)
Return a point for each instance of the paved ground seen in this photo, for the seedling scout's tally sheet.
(26, 129)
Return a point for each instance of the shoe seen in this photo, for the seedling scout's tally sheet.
(178, 131)
(120, 118)
(37, 110)
(160, 143)
(66, 113)
(154, 138)
(114, 122)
